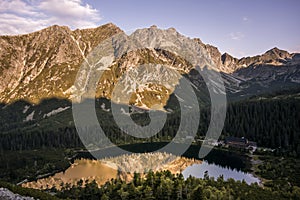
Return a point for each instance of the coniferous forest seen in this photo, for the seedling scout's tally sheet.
(161, 185)
(272, 123)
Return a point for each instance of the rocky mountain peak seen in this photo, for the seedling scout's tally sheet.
(171, 29)
(198, 40)
(276, 53)
(56, 28)
(52, 30)
(44, 64)
(226, 57)
(228, 63)
(153, 27)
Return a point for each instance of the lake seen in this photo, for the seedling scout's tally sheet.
(218, 162)
(213, 170)
(223, 158)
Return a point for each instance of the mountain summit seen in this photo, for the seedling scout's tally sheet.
(44, 64)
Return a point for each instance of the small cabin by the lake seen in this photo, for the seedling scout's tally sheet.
(243, 143)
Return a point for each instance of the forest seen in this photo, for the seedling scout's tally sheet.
(162, 185)
(272, 123)
(36, 147)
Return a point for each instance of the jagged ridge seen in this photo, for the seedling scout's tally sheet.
(44, 64)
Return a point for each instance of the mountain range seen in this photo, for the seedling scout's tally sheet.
(44, 64)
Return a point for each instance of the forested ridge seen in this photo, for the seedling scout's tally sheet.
(271, 122)
(43, 145)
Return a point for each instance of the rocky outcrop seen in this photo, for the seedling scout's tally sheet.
(44, 64)
(6, 194)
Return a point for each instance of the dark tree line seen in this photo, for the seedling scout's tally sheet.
(164, 185)
(273, 123)
(60, 138)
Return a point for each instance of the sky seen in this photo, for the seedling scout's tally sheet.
(238, 27)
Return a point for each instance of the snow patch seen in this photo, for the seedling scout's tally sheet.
(29, 117)
(103, 107)
(4, 107)
(54, 112)
(124, 112)
(179, 99)
(26, 109)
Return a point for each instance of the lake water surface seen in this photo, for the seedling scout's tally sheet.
(217, 162)
(213, 170)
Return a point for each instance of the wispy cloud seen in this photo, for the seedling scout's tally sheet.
(245, 19)
(23, 16)
(236, 35)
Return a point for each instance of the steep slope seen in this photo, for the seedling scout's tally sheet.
(44, 65)
(275, 57)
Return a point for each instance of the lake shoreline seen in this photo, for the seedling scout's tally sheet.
(104, 170)
(219, 156)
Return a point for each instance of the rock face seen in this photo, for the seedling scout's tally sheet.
(6, 194)
(275, 57)
(229, 63)
(44, 64)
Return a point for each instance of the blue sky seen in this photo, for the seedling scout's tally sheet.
(241, 28)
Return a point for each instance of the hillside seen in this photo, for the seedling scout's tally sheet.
(44, 64)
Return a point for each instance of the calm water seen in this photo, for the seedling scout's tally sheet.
(198, 170)
(217, 162)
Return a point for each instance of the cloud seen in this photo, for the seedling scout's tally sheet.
(245, 19)
(236, 35)
(24, 16)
